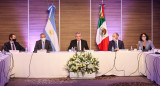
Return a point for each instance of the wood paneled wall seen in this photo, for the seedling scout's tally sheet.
(136, 20)
(75, 17)
(13, 19)
(156, 23)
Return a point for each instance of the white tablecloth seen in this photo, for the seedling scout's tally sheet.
(152, 67)
(4, 68)
(52, 65)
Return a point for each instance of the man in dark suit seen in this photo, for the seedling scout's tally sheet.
(78, 43)
(12, 44)
(115, 43)
(43, 44)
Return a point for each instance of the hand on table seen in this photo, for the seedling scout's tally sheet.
(117, 49)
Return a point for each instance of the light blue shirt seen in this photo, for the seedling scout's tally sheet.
(43, 44)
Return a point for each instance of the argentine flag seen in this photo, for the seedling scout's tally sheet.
(50, 29)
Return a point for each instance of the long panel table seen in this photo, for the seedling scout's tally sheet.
(52, 65)
(4, 68)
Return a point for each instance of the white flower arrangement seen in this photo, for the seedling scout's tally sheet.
(83, 62)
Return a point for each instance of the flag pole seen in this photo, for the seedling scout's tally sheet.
(102, 1)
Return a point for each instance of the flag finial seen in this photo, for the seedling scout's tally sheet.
(101, 4)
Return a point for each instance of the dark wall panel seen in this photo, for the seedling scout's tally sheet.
(14, 19)
(156, 23)
(136, 20)
(75, 17)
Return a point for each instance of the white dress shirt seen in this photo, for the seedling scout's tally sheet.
(117, 43)
(79, 45)
(12, 44)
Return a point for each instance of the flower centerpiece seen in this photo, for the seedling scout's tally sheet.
(82, 64)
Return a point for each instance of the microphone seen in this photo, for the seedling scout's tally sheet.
(157, 52)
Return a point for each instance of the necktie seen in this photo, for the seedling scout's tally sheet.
(115, 44)
(78, 46)
(13, 46)
(43, 47)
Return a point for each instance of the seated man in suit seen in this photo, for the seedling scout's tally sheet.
(43, 44)
(12, 44)
(78, 43)
(115, 43)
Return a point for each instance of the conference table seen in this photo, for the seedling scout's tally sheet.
(4, 68)
(52, 65)
(152, 67)
(120, 63)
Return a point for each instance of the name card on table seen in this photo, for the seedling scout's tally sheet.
(90, 51)
(41, 51)
(14, 51)
(123, 49)
(157, 50)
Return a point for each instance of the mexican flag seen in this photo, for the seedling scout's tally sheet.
(102, 38)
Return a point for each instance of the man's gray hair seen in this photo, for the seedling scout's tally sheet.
(117, 34)
(78, 33)
(42, 34)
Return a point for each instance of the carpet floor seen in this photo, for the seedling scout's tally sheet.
(98, 81)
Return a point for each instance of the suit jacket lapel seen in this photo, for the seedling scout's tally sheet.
(45, 44)
(119, 43)
(15, 44)
(40, 44)
(113, 43)
(75, 43)
(9, 46)
(82, 45)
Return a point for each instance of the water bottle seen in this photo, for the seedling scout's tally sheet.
(152, 50)
(140, 49)
(26, 50)
(131, 48)
(3, 52)
(112, 48)
(72, 49)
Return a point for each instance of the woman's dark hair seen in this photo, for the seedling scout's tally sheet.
(142, 35)
(10, 35)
